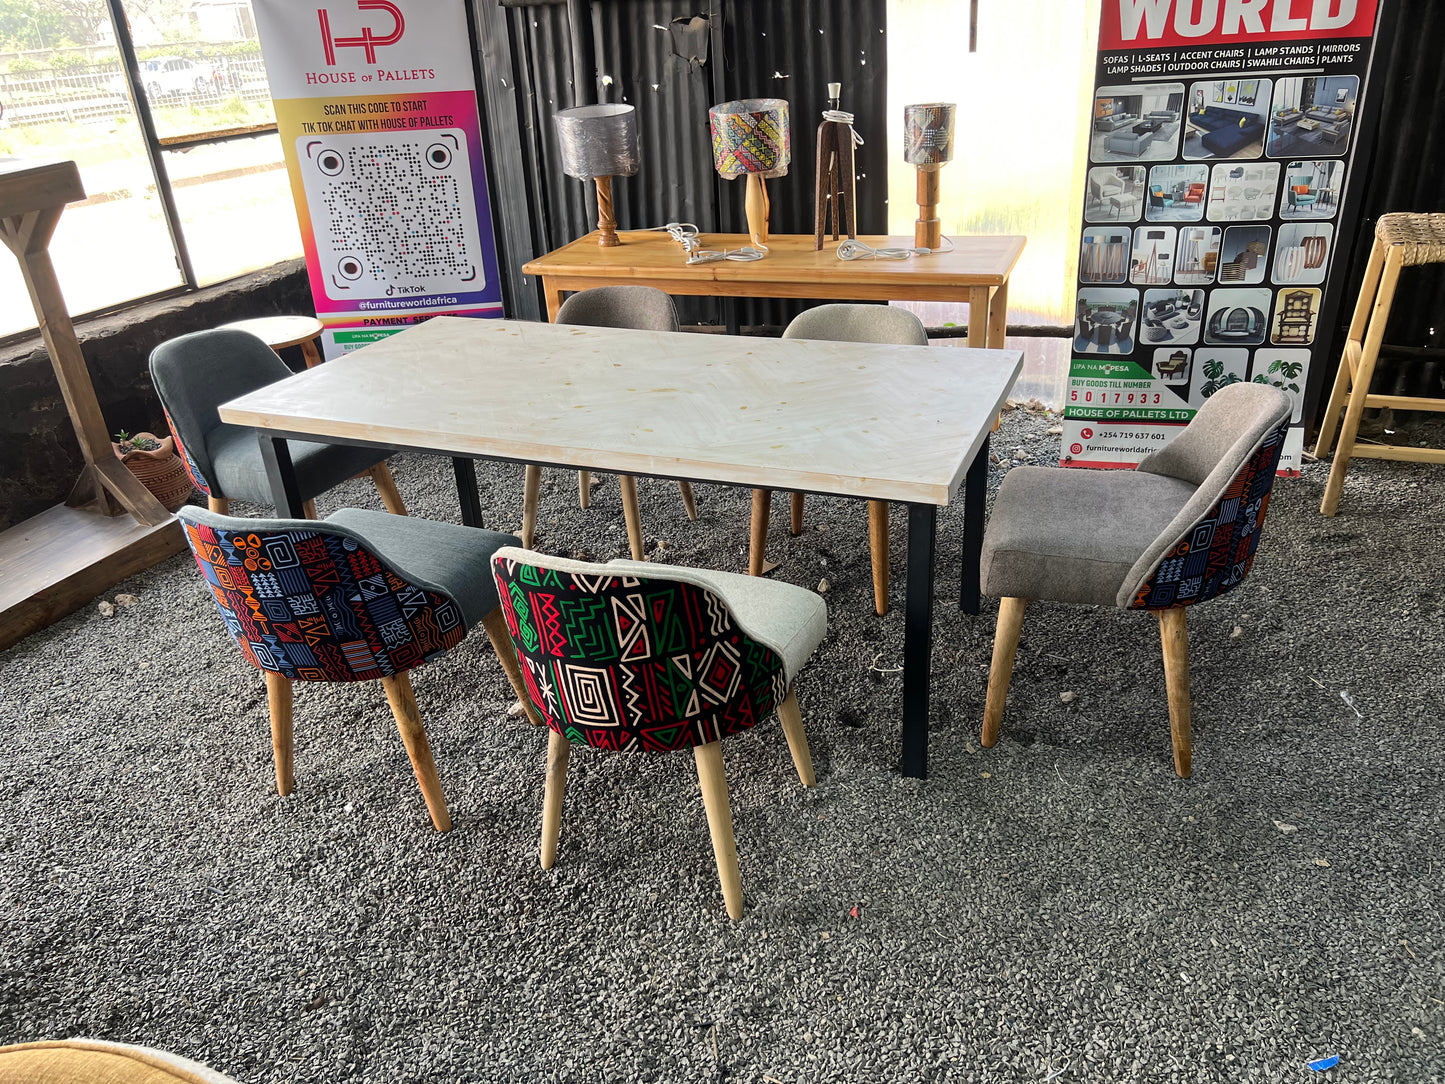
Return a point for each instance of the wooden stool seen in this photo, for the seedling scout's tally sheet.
(1401, 240)
(279, 332)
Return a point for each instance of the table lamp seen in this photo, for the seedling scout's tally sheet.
(928, 144)
(599, 141)
(750, 138)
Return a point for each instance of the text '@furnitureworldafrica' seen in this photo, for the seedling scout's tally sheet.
(757, 413)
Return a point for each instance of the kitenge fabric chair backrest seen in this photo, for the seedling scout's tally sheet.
(310, 601)
(634, 663)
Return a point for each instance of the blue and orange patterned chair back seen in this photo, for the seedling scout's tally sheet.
(624, 662)
(1217, 554)
(313, 603)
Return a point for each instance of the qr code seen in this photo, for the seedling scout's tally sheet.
(393, 215)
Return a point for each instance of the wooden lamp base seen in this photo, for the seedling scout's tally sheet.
(927, 231)
(756, 206)
(606, 221)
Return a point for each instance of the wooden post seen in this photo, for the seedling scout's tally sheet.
(928, 231)
(756, 206)
(606, 220)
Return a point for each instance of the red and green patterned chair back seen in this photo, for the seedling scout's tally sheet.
(312, 603)
(634, 663)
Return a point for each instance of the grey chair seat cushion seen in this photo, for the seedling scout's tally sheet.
(240, 473)
(1072, 535)
(445, 557)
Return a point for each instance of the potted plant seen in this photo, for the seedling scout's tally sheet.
(155, 464)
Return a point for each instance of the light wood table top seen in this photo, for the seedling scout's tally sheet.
(886, 422)
(278, 332)
(792, 268)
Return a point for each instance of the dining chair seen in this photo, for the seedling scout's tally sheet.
(96, 1061)
(194, 374)
(637, 657)
(356, 596)
(1180, 529)
(856, 324)
(637, 308)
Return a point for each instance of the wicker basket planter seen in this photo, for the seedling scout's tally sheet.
(160, 470)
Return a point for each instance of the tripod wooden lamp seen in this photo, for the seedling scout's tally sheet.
(599, 141)
(750, 139)
(928, 145)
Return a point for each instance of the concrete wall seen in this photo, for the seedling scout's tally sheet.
(39, 456)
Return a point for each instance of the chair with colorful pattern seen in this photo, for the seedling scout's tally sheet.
(1181, 529)
(194, 374)
(853, 324)
(638, 657)
(357, 596)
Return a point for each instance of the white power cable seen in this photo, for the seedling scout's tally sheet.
(852, 249)
(686, 234)
(839, 116)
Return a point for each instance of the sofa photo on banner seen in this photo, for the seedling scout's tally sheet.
(1226, 119)
(1312, 116)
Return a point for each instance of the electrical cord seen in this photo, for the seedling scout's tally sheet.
(686, 234)
(852, 249)
(839, 116)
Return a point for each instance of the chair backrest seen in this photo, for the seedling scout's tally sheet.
(1230, 452)
(633, 662)
(313, 601)
(640, 308)
(194, 374)
(858, 324)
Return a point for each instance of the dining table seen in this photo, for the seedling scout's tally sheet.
(906, 424)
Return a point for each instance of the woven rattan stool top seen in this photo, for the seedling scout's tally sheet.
(1422, 235)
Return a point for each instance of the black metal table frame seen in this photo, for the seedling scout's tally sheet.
(922, 527)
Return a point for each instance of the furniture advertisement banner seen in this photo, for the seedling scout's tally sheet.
(376, 107)
(1220, 153)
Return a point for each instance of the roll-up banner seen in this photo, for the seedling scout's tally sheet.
(1221, 147)
(376, 107)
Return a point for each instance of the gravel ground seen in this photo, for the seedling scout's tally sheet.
(1060, 907)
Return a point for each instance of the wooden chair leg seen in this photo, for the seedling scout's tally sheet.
(1174, 636)
(278, 700)
(878, 550)
(408, 722)
(219, 505)
(1356, 337)
(386, 486)
(584, 489)
(720, 823)
(1005, 647)
(559, 750)
(688, 503)
(758, 538)
(795, 523)
(792, 720)
(631, 515)
(531, 492)
(308, 510)
(1363, 374)
(496, 627)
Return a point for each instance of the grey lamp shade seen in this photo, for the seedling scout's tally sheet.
(928, 133)
(598, 140)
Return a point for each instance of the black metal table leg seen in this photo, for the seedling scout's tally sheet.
(975, 489)
(281, 475)
(466, 472)
(918, 639)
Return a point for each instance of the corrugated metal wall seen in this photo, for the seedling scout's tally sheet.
(789, 50)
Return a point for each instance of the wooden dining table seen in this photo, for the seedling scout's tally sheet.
(866, 421)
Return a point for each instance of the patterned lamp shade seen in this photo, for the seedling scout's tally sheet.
(928, 134)
(598, 140)
(751, 136)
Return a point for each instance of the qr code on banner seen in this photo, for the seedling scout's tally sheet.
(393, 215)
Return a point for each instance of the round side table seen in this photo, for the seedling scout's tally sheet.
(282, 331)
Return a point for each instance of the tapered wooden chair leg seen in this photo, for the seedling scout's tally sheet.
(496, 627)
(792, 720)
(1174, 636)
(795, 507)
(758, 535)
(688, 503)
(631, 515)
(1005, 647)
(1355, 338)
(878, 550)
(308, 510)
(386, 486)
(219, 505)
(531, 493)
(584, 488)
(278, 700)
(720, 823)
(408, 722)
(559, 749)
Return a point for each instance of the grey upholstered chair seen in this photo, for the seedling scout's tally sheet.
(854, 324)
(638, 308)
(194, 374)
(634, 657)
(358, 596)
(1180, 529)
